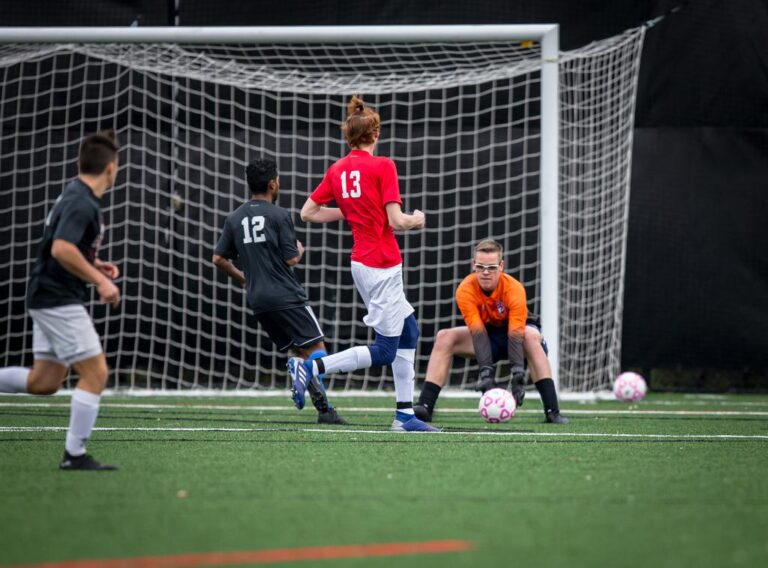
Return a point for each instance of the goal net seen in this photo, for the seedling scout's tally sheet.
(461, 119)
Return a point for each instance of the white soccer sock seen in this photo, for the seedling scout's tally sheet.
(13, 379)
(82, 417)
(404, 373)
(345, 361)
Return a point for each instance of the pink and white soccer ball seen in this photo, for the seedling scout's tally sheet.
(629, 387)
(497, 405)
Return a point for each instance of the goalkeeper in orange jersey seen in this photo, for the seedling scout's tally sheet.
(493, 305)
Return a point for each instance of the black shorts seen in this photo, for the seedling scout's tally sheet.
(291, 326)
(499, 345)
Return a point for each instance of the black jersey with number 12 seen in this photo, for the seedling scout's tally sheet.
(262, 236)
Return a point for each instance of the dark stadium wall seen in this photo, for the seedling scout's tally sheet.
(696, 300)
(85, 13)
(696, 295)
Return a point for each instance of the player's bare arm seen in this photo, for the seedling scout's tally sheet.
(70, 257)
(108, 269)
(226, 266)
(318, 214)
(400, 221)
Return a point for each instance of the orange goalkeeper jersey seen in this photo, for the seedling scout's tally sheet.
(505, 307)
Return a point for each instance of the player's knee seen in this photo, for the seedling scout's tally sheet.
(103, 374)
(445, 341)
(94, 375)
(43, 383)
(383, 350)
(532, 337)
(410, 334)
(42, 387)
(534, 342)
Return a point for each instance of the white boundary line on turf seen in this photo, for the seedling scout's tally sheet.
(262, 408)
(455, 393)
(285, 393)
(389, 432)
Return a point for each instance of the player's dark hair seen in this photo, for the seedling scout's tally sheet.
(259, 173)
(489, 245)
(97, 151)
(362, 124)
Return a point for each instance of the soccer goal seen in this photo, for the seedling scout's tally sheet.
(495, 133)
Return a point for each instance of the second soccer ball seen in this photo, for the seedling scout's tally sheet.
(497, 405)
(629, 387)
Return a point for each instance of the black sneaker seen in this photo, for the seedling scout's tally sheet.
(331, 417)
(554, 417)
(84, 462)
(422, 412)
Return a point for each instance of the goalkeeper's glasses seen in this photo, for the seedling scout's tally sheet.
(486, 267)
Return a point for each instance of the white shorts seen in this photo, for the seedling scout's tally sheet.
(64, 334)
(383, 295)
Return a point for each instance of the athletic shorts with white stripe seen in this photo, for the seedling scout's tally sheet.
(291, 326)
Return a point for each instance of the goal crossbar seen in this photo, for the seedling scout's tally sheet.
(288, 34)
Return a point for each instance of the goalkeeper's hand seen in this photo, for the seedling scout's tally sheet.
(518, 385)
(486, 379)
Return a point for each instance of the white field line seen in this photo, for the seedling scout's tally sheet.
(760, 404)
(261, 408)
(388, 432)
(453, 393)
(285, 393)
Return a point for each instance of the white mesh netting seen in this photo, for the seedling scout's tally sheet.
(461, 121)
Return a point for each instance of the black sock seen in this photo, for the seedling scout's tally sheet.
(546, 388)
(404, 405)
(429, 394)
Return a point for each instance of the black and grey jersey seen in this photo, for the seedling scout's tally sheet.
(76, 218)
(262, 236)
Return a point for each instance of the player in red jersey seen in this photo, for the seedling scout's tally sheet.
(367, 195)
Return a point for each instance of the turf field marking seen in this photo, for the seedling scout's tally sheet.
(335, 431)
(262, 408)
(709, 402)
(269, 556)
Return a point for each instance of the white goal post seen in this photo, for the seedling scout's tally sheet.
(495, 132)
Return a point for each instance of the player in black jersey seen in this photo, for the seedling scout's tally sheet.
(63, 333)
(262, 236)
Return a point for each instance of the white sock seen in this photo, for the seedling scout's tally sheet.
(13, 379)
(404, 373)
(82, 417)
(345, 361)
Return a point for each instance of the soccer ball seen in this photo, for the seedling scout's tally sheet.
(629, 387)
(497, 405)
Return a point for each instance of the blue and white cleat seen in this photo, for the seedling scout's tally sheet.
(298, 373)
(412, 425)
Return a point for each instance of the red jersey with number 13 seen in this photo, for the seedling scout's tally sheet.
(362, 185)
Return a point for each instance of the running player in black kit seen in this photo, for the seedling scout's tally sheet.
(262, 236)
(63, 335)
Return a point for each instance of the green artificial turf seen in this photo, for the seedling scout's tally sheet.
(625, 489)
